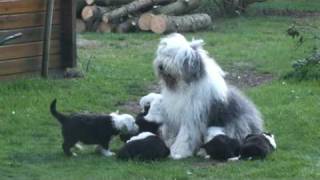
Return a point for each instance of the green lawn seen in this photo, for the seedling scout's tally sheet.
(121, 70)
(309, 5)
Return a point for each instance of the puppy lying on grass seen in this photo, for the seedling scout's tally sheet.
(145, 146)
(220, 147)
(257, 146)
(92, 128)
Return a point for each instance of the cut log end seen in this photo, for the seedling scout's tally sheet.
(158, 24)
(105, 19)
(145, 21)
(89, 2)
(87, 12)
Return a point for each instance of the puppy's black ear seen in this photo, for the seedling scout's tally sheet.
(248, 136)
(204, 146)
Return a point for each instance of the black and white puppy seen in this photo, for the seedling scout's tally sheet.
(145, 146)
(220, 147)
(143, 124)
(92, 128)
(257, 146)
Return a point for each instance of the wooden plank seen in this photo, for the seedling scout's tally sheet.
(30, 34)
(27, 64)
(26, 50)
(68, 35)
(26, 20)
(24, 6)
(56, 73)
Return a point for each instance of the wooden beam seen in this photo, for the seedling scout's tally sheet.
(68, 33)
(47, 39)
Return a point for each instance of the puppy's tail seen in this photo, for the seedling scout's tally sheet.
(59, 116)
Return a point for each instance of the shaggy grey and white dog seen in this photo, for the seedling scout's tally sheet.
(195, 96)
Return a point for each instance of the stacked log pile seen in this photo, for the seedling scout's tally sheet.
(158, 16)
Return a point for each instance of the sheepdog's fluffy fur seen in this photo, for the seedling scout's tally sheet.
(145, 146)
(195, 96)
(92, 128)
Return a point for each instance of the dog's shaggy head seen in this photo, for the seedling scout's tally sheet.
(125, 123)
(178, 60)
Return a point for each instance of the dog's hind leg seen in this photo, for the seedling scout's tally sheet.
(104, 149)
(67, 145)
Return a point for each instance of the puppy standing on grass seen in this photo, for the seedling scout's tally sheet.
(92, 128)
(145, 146)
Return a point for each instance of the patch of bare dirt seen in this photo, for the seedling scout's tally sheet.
(246, 76)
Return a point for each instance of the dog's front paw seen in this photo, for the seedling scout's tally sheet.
(176, 156)
(79, 147)
(74, 154)
(107, 153)
(202, 153)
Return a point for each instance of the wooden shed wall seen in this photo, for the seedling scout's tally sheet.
(28, 16)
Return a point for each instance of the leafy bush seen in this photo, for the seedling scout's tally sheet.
(307, 68)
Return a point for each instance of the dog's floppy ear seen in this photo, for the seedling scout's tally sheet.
(192, 63)
(196, 44)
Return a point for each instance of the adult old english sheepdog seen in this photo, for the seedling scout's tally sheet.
(196, 96)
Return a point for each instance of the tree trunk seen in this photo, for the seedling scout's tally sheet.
(166, 24)
(108, 2)
(133, 7)
(130, 25)
(79, 6)
(94, 12)
(177, 8)
(80, 26)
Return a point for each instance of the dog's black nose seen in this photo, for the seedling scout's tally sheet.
(160, 67)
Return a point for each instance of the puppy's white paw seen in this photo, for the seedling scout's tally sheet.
(79, 147)
(176, 156)
(74, 154)
(202, 153)
(234, 158)
(207, 157)
(107, 153)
